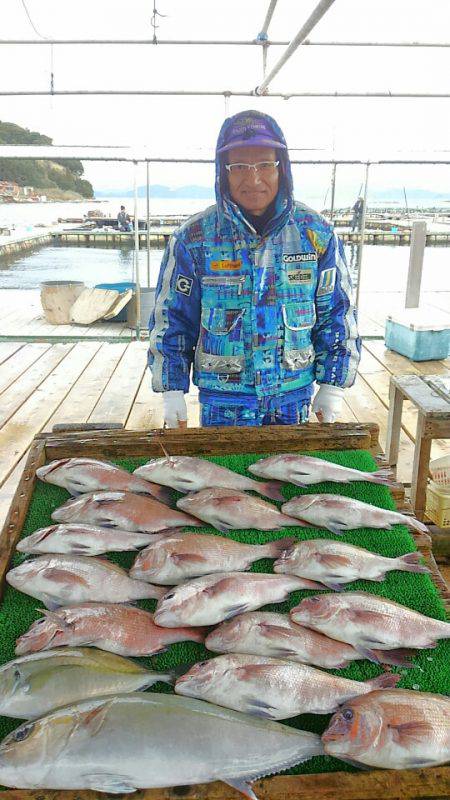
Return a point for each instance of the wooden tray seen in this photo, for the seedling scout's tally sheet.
(425, 784)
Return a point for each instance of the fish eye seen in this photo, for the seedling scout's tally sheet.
(169, 596)
(348, 714)
(314, 599)
(201, 664)
(17, 674)
(23, 733)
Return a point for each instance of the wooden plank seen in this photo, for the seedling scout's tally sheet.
(17, 435)
(7, 349)
(83, 396)
(394, 362)
(369, 364)
(427, 400)
(118, 397)
(14, 367)
(8, 489)
(13, 397)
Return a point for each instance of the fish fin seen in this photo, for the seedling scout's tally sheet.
(51, 602)
(113, 784)
(20, 682)
(335, 587)
(283, 652)
(388, 680)
(384, 477)
(401, 657)
(274, 631)
(258, 708)
(407, 733)
(249, 671)
(221, 526)
(411, 563)
(183, 558)
(336, 527)
(270, 489)
(242, 786)
(416, 525)
(365, 617)
(63, 576)
(221, 586)
(232, 611)
(54, 617)
(92, 720)
(331, 560)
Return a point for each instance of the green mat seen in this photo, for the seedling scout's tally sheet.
(431, 667)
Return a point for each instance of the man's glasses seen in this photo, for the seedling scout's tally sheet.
(263, 167)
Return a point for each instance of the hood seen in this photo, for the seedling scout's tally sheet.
(285, 197)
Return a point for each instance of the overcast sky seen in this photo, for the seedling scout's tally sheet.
(349, 128)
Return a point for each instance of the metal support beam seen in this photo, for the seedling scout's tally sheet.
(136, 256)
(310, 23)
(262, 35)
(361, 237)
(212, 93)
(416, 254)
(215, 42)
(148, 222)
(333, 188)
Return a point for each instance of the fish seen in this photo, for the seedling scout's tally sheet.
(60, 580)
(189, 555)
(214, 598)
(228, 509)
(133, 512)
(84, 540)
(266, 633)
(338, 514)
(190, 474)
(307, 470)
(35, 684)
(148, 740)
(399, 729)
(121, 629)
(371, 624)
(81, 475)
(272, 688)
(335, 563)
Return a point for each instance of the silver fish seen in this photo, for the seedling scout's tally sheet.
(81, 475)
(307, 470)
(228, 509)
(338, 514)
(60, 580)
(133, 512)
(272, 688)
(189, 474)
(140, 741)
(35, 684)
(335, 563)
(213, 598)
(189, 555)
(392, 730)
(370, 623)
(266, 633)
(84, 540)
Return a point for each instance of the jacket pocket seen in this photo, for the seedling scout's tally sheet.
(221, 343)
(298, 321)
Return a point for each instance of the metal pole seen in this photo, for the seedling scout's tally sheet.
(148, 224)
(313, 19)
(214, 93)
(241, 42)
(333, 188)
(262, 36)
(136, 256)
(361, 236)
(416, 254)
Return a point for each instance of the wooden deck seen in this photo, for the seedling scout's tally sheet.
(44, 383)
(22, 317)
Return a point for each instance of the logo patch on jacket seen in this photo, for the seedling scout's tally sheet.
(226, 264)
(297, 276)
(297, 258)
(184, 285)
(327, 281)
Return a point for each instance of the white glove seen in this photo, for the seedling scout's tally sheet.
(327, 403)
(175, 411)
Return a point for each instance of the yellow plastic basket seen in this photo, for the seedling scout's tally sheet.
(440, 472)
(438, 505)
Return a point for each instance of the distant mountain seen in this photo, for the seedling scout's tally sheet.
(157, 190)
(411, 194)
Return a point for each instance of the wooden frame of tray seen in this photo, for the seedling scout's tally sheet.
(424, 784)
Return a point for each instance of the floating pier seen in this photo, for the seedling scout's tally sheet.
(87, 238)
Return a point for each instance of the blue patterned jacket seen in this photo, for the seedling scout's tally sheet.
(255, 315)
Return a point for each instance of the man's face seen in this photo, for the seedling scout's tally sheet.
(252, 190)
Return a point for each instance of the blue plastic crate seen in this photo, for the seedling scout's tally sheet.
(118, 287)
(416, 338)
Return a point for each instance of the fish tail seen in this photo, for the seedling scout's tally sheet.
(280, 548)
(385, 477)
(385, 681)
(269, 489)
(396, 658)
(416, 525)
(411, 563)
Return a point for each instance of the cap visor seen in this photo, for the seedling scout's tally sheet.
(254, 141)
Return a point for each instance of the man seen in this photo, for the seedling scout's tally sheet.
(123, 220)
(357, 214)
(255, 293)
